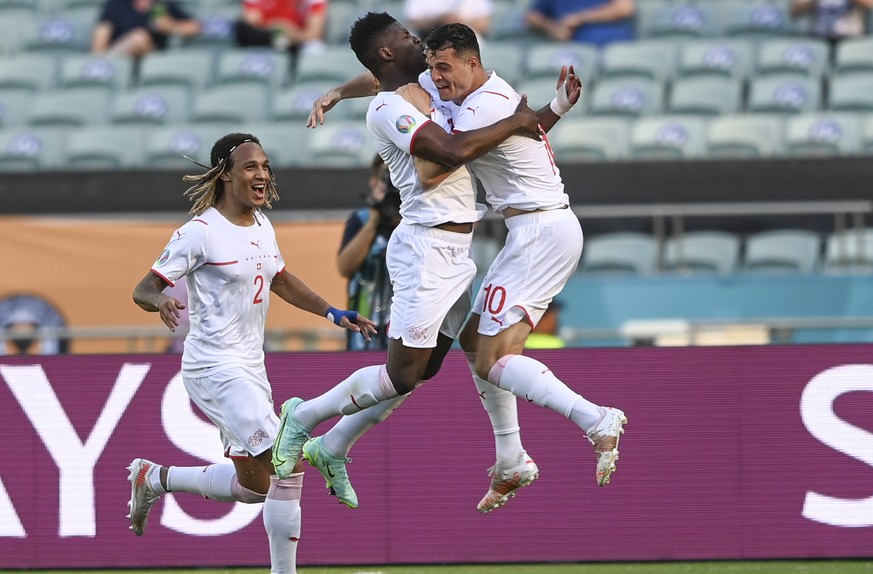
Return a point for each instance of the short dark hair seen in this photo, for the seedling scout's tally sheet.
(458, 36)
(365, 35)
(223, 147)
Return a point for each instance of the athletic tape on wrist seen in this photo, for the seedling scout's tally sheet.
(336, 315)
(561, 102)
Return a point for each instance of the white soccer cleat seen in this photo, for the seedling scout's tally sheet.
(142, 495)
(505, 481)
(604, 436)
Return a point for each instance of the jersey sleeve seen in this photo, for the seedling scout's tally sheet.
(184, 253)
(395, 119)
(483, 110)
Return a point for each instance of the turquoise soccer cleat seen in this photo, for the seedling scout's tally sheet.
(333, 469)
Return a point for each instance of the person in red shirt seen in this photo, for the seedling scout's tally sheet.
(295, 25)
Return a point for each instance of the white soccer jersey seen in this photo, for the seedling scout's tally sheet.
(520, 172)
(230, 270)
(393, 122)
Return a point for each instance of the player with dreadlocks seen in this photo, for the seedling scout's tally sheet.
(230, 256)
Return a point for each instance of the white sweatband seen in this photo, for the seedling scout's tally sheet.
(560, 105)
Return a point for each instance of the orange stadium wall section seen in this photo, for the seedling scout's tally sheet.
(87, 268)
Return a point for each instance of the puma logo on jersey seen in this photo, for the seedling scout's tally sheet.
(177, 235)
(256, 243)
(380, 106)
(496, 320)
(473, 109)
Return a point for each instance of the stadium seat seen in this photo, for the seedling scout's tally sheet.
(158, 105)
(341, 144)
(31, 149)
(801, 56)
(854, 56)
(217, 22)
(166, 144)
(634, 253)
(230, 104)
(627, 97)
(668, 138)
(851, 250)
(16, 20)
(294, 104)
(62, 32)
(745, 136)
(335, 65)
(584, 139)
(505, 58)
(703, 251)
(544, 61)
(648, 59)
(253, 65)
(14, 105)
(851, 93)
(823, 134)
(540, 91)
(784, 94)
(105, 148)
(731, 57)
(73, 107)
(705, 96)
(754, 19)
(508, 24)
(285, 143)
(29, 72)
(112, 73)
(340, 17)
(191, 67)
(793, 250)
(867, 134)
(677, 20)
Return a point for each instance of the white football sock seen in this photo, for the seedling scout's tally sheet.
(282, 522)
(362, 389)
(214, 481)
(339, 440)
(502, 409)
(530, 379)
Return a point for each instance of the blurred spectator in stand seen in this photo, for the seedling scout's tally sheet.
(294, 25)
(423, 15)
(137, 27)
(598, 22)
(361, 257)
(834, 20)
(22, 317)
(546, 335)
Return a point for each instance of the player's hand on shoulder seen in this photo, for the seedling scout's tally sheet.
(417, 96)
(530, 122)
(322, 104)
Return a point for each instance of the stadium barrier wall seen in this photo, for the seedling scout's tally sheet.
(730, 453)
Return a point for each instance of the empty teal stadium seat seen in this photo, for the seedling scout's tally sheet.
(590, 139)
(14, 105)
(635, 253)
(157, 105)
(706, 96)
(294, 104)
(823, 134)
(648, 59)
(234, 103)
(668, 138)
(31, 149)
(745, 136)
(851, 93)
(217, 22)
(784, 94)
(754, 19)
(731, 57)
(703, 251)
(61, 32)
(854, 55)
(284, 142)
(784, 56)
(867, 134)
(113, 73)
(106, 148)
(627, 97)
(505, 58)
(781, 250)
(191, 67)
(73, 107)
(341, 144)
(166, 145)
(28, 72)
(253, 65)
(681, 20)
(544, 61)
(335, 64)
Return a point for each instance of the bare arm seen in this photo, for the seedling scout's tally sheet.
(360, 86)
(149, 295)
(100, 37)
(353, 253)
(609, 12)
(434, 144)
(295, 292)
(552, 28)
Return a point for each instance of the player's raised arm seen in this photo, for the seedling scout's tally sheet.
(360, 86)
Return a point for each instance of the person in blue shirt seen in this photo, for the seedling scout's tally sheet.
(834, 20)
(136, 27)
(598, 22)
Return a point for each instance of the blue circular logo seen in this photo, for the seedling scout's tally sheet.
(797, 56)
(721, 57)
(98, 70)
(767, 17)
(825, 131)
(562, 58)
(688, 18)
(627, 99)
(57, 31)
(24, 145)
(790, 95)
(153, 106)
(185, 142)
(347, 139)
(671, 134)
(257, 65)
(216, 27)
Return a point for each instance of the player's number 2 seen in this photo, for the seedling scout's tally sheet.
(259, 283)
